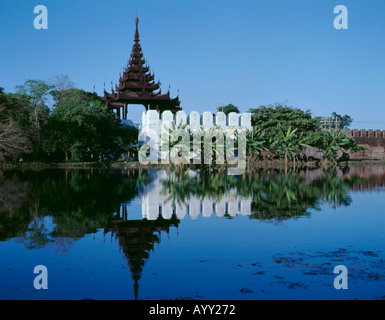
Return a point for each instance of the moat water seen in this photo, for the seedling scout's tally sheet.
(154, 234)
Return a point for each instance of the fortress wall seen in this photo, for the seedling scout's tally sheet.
(152, 119)
(154, 123)
(374, 140)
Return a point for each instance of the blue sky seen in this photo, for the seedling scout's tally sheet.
(245, 52)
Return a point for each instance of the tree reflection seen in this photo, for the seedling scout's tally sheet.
(79, 202)
(205, 184)
(16, 200)
(275, 194)
(82, 201)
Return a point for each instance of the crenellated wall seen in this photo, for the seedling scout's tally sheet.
(155, 123)
(195, 121)
(363, 133)
(374, 140)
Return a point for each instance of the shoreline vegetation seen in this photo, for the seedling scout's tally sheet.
(274, 164)
(79, 130)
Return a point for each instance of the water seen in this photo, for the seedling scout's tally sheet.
(152, 234)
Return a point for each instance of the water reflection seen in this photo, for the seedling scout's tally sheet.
(259, 194)
(137, 239)
(54, 208)
(79, 201)
(83, 201)
(192, 194)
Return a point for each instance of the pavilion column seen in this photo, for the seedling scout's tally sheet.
(118, 112)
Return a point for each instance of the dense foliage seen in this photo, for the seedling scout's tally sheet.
(18, 132)
(286, 132)
(81, 128)
(78, 128)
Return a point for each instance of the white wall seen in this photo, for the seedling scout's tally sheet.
(154, 123)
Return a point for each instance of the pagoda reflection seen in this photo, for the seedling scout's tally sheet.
(136, 239)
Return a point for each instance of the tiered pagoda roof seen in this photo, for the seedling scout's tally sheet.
(137, 85)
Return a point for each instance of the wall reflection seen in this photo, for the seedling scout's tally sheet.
(260, 194)
(167, 195)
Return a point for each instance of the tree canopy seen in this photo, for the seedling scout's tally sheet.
(269, 117)
(287, 131)
(18, 133)
(36, 93)
(78, 128)
(81, 128)
(344, 121)
(227, 109)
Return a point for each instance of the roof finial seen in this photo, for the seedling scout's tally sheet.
(137, 30)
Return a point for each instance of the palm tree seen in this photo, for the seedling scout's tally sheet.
(332, 141)
(176, 148)
(290, 144)
(256, 142)
(214, 151)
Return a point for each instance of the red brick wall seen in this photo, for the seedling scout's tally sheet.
(374, 140)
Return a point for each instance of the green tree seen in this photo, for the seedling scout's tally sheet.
(290, 143)
(61, 84)
(16, 134)
(344, 121)
(292, 129)
(176, 144)
(256, 143)
(332, 141)
(81, 128)
(227, 109)
(268, 118)
(36, 92)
